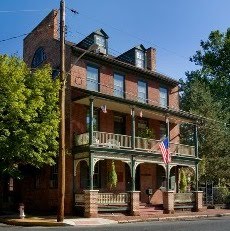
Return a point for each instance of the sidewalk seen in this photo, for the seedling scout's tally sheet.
(110, 218)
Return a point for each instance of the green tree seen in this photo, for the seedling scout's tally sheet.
(183, 181)
(112, 176)
(206, 92)
(29, 115)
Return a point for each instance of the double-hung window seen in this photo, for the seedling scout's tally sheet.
(92, 78)
(118, 85)
(140, 59)
(142, 91)
(163, 97)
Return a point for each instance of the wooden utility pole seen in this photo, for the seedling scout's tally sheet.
(61, 157)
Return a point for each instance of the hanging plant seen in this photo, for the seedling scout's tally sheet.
(112, 176)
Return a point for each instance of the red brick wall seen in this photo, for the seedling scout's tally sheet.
(174, 97)
(174, 133)
(78, 73)
(131, 86)
(153, 92)
(106, 80)
(106, 121)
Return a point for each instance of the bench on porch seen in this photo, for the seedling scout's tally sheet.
(184, 201)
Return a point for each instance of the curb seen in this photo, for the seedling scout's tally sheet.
(178, 218)
(15, 222)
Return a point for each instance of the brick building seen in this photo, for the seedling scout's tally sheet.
(118, 109)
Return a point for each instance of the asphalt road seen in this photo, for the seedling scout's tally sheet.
(214, 224)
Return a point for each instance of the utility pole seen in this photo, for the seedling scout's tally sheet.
(61, 157)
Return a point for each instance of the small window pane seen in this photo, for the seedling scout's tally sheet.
(142, 91)
(119, 85)
(100, 41)
(163, 97)
(92, 78)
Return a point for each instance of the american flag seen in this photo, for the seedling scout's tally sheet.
(164, 147)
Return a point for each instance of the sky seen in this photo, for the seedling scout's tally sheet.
(174, 28)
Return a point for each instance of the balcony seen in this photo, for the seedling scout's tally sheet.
(118, 141)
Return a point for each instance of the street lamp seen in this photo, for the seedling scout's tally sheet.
(63, 76)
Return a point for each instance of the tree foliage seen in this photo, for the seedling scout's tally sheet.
(206, 92)
(29, 115)
(112, 175)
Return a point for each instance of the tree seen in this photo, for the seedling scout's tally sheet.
(206, 92)
(183, 181)
(29, 115)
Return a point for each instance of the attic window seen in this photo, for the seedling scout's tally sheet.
(100, 41)
(39, 57)
(140, 59)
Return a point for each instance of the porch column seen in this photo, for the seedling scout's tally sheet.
(168, 202)
(196, 154)
(167, 165)
(133, 128)
(133, 174)
(91, 171)
(91, 120)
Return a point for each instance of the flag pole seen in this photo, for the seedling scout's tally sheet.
(167, 164)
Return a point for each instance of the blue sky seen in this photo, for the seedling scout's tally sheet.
(174, 28)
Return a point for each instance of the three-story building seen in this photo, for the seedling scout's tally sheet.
(118, 110)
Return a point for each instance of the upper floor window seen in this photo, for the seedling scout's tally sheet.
(163, 130)
(140, 59)
(118, 85)
(95, 120)
(142, 91)
(100, 41)
(39, 57)
(163, 97)
(92, 78)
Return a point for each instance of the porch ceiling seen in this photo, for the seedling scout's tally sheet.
(126, 109)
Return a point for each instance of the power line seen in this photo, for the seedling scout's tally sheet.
(136, 37)
(18, 11)
(14, 37)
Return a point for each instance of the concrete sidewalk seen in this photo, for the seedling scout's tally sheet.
(112, 218)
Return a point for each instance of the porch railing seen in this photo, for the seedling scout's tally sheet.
(118, 141)
(111, 198)
(184, 198)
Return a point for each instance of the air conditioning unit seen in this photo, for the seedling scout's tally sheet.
(101, 50)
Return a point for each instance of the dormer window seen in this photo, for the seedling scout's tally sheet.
(39, 57)
(100, 41)
(140, 59)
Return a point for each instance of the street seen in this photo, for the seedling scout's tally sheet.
(214, 224)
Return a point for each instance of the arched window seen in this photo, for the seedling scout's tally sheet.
(39, 57)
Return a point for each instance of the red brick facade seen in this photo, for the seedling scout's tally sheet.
(46, 35)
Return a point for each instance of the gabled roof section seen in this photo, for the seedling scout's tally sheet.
(140, 47)
(101, 32)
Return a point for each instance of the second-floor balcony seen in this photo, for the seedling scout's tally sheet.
(118, 141)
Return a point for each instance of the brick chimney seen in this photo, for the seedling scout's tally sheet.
(151, 59)
(41, 35)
